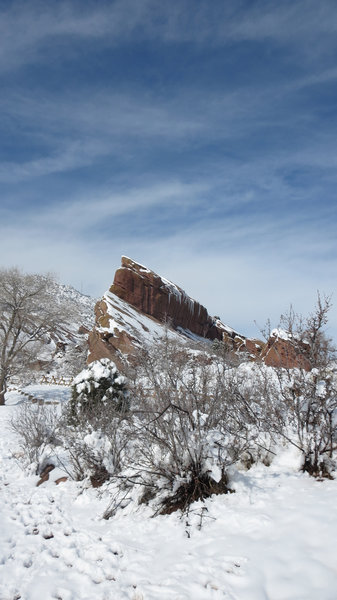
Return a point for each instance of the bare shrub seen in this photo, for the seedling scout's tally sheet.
(188, 428)
(88, 446)
(307, 416)
(38, 431)
(303, 404)
(95, 446)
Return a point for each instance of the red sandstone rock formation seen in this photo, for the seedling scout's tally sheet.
(137, 291)
(281, 352)
(161, 299)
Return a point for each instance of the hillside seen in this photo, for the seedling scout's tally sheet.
(64, 350)
(138, 309)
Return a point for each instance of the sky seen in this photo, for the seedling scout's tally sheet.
(198, 138)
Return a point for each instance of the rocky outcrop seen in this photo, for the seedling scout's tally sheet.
(159, 298)
(110, 343)
(281, 351)
(140, 302)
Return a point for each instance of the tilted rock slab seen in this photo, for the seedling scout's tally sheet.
(159, 298)
(139, 304)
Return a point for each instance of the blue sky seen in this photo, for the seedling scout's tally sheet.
(199, 138)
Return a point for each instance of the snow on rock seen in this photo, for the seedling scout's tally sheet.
(120, 328)
(140, 303)
(281, 351)
(281, 334)
(138, 306)
(158, 297)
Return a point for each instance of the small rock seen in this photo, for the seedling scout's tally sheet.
(45, 474)
(61, 480)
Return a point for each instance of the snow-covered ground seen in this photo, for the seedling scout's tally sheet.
(46, 392)
(274, 539)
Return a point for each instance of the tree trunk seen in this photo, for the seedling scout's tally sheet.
(3, 389)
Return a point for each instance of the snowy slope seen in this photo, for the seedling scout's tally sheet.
(82, 305)
(59, 347)
(142, 328)
(273, 539)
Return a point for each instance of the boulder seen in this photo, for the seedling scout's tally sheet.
(44, 475)
(280, 351)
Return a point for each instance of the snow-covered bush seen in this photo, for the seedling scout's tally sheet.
(93, 432)
(88, 450)
(302, 406)
(96, 454)
(38, 431)
(187, 426)
(307, 416)
(98, 391)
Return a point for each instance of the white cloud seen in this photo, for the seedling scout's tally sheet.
(76, 130)
(76, 216)
(242, 269)
(73, 131)
(66, 157)
(26, 28)
(242, 264)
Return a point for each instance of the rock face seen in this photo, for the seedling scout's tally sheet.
(136, 307)
(140, 302)
(281, 352)
(159, 298)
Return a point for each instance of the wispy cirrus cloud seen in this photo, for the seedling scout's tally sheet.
(78, 215)
(196, 137)
(244, 269)
(26, 29)
(73, 131)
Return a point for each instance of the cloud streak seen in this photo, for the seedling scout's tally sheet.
(242, 271)
(178, 22)
(197, 138)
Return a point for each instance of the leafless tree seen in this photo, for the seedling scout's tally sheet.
(308, 335)
(303, 407)
(29, 312)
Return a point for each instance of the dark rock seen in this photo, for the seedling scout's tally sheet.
(45, 474)
(61, 480)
